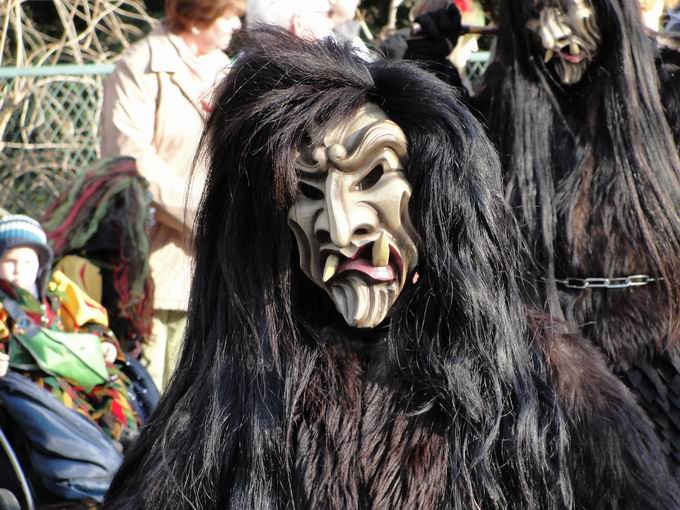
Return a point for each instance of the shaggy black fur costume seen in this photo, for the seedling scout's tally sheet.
(593, 174)
(455, 402)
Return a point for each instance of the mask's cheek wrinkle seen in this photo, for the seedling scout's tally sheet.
(410, 232)
(405, 215)
(385, 198)
(303, 243)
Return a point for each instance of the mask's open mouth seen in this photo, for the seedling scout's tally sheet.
(377, 262)
(573, 53)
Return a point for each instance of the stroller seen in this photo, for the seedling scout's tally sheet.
(51, 456)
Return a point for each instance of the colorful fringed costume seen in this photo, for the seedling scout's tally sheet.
(67, 308)
(104, 218)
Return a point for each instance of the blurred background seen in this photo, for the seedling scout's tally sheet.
(56, 53)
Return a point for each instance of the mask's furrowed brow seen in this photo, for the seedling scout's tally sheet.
(377, 139)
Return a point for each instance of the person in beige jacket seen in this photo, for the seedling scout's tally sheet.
(155, 105)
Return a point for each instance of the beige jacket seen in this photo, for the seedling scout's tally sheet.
(155, 105)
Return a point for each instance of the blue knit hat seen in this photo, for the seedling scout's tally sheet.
(19, 230)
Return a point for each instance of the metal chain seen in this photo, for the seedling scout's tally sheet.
(620, 282)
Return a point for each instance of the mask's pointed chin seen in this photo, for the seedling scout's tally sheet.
(361, 304)
(569, 73)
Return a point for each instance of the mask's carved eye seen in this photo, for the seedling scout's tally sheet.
(370, 179)
(310, 191)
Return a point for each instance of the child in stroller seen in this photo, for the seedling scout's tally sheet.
(54, 334)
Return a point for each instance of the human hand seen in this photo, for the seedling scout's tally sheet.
(4, 364)
(109, 351)
(434, 35)
(443, 23)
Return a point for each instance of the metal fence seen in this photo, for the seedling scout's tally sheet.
(475, 68)
(49, 122)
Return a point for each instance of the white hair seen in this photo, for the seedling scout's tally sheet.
(280, 12)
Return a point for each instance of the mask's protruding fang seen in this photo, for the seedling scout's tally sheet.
(381, 251)
(331, 267)
(548, 55)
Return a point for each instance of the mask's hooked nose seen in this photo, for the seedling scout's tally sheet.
(338, 220)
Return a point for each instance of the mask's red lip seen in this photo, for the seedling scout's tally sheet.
(374, 274)
(565, 54)
(572, 59)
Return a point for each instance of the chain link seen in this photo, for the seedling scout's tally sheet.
(620, 282)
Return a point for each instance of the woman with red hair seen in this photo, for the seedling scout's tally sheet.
(155, 105)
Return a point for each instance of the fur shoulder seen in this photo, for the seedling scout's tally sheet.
(603, 416)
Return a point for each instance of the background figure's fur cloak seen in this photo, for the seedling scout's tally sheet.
(668, 64)
(593, 175)
(453, 403)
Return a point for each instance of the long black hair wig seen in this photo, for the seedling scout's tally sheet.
(449, 404)
(593, 174)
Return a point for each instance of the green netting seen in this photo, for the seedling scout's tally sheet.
(49, 134)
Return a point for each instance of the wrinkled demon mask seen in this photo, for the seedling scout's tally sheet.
(570, 37)
(351, 219)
